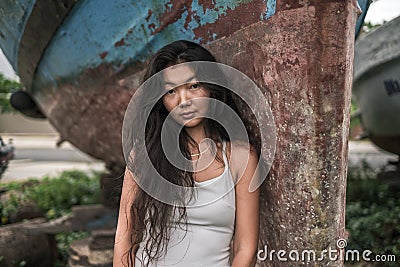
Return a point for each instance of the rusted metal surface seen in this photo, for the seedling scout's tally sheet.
(80, 82)
(91, 118)
(302, 60)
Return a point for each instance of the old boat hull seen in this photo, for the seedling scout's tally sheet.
(80, 61)
(376, 86)
(87, 65)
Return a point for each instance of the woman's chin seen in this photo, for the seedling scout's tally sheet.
(193, 123)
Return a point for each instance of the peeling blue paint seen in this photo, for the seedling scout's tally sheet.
(97, 32)
(271, 6)
(94, 26)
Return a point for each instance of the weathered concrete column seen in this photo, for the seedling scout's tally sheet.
(302, 60)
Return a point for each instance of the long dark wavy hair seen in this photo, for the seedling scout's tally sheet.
(150, 216)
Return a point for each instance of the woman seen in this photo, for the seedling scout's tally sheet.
(201, 224)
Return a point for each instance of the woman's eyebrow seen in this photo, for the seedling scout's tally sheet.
(174, 85)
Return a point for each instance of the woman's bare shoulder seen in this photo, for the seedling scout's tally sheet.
(241, 148)
(240, 154)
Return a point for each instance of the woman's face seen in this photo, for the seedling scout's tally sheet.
(185, 99)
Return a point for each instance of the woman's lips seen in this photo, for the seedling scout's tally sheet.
(188, 115)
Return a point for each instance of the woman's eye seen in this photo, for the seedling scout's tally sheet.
(170, 91)
(194, 86)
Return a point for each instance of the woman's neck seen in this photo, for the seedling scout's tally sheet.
(196, 134)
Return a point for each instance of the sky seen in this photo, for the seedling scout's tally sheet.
(379, 11)
(383, 10)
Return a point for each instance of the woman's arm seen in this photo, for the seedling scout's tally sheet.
(245, 242)
(124, 227)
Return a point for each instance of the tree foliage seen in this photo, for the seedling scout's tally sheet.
(368, 26)
(7, 87)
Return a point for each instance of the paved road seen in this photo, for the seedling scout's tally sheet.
(37, 156)
(376, 158)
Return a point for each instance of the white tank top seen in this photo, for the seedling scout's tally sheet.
(209, 230)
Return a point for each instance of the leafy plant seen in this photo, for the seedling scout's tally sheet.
(6, 88)
(368, 26)
(54, 196)
(57, 196)
(372, 213)
(355, 120)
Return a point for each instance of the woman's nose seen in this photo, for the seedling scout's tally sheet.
(184, 98)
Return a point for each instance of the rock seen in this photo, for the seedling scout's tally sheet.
(102, 239)
(82, 218)
(94, 251)
(24, 211)
(79, 253)
(18, 244)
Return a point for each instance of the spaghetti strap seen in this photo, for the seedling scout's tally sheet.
(224, 155)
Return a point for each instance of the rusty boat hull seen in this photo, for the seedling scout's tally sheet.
(81, 61)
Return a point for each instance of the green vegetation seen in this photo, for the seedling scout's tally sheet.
(372, 213)
(55, 197)
(368, 26)
(354, 120)
(6, 88)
